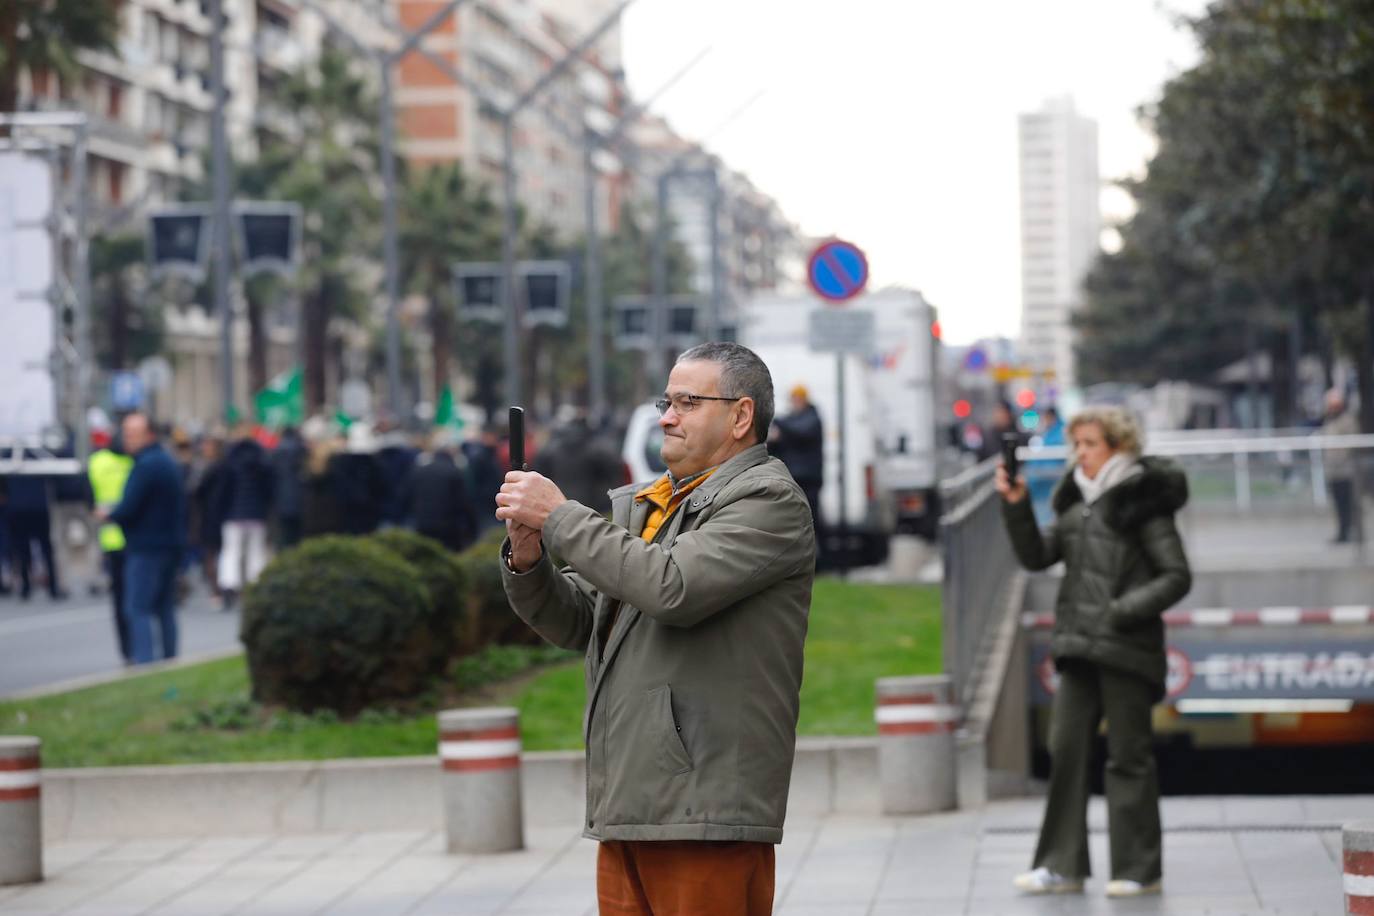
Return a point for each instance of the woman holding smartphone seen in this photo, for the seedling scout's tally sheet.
(1125, 565)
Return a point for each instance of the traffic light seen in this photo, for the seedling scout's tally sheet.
(478, 289)
(1025, 399)
(963, 409)
(269, 235)
(545, 286)
(631, 329)
(1030, 419)
(936, 331)
(179, 241)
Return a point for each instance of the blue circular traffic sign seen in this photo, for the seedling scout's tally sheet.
(837, 270)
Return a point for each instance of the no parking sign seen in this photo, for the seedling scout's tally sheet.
(837, 270)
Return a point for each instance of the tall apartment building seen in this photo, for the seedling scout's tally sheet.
(1060, 225)
(149, 103)
(760, 249)
(502, 47)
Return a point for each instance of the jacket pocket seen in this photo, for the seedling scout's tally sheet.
(670, 752)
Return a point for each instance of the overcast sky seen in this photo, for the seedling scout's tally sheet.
(892, 123)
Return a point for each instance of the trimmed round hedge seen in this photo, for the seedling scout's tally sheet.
(339, 623)
(486, 601)
(443, 579)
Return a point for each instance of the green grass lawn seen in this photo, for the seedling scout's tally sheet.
(203, 713)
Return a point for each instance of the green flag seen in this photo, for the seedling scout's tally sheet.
(446, 411)
(282, 402)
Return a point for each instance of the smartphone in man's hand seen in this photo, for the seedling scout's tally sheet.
(517, 439)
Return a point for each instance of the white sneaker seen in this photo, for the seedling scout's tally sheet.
(1043, 881)
(1127, 888)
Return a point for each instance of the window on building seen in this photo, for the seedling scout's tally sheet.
(117, 172)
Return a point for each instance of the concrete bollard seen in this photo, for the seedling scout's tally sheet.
(479, 750)
(21, 811)
(1357, 841)
(916, 752)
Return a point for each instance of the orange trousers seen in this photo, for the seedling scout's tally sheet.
(684, 878)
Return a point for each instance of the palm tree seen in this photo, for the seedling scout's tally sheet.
(445, 219)
(128, 326)
(330, 169)
(44, 36)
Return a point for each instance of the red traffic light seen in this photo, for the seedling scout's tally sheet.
(1025, 398)
(963, 409)
(936, 331)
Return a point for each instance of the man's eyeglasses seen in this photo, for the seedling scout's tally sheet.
(684, 403)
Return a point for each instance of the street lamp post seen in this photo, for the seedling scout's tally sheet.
(219, 168)
(591, 142)
(509, 215)
(510, 302)
(386, 117)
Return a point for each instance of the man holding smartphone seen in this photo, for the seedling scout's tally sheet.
(691, 604)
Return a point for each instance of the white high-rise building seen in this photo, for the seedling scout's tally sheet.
(1060, 225)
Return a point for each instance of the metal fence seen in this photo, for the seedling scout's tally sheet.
(978, 567)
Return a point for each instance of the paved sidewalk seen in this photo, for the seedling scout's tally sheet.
(1223, 857)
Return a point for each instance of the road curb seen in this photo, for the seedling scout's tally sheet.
(125, 674)
(829, 776)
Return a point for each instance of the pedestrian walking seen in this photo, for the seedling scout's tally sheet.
(245, 500)
(1043, 473)
(288, 497)
(1002, 421)
(799, 441)
(152, 515)
(1340, 467)
(321, 505)
(691, 604)
(1125, 566)
(395, 460)
(582, 461)
(30, 528)
(204, 517)
(437, 501)
(108, 470)
(361, 486)
(485, 475)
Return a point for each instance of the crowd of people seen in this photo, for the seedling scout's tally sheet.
(177, 511)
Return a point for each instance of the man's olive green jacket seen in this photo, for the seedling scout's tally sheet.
(1124, 566)
(692, 695)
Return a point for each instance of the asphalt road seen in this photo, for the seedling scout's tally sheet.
(45, 642)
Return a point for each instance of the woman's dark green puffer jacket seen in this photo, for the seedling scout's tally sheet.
(1124, 566)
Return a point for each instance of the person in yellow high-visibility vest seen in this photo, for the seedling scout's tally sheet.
(108, 470)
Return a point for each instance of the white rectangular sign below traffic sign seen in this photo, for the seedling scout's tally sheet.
(841, 330)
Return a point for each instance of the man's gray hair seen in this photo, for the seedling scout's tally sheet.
(742, 375)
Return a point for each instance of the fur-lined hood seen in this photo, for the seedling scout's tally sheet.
(1157, 487)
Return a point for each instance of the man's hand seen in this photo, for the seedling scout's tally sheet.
(526, 546)
(527, 498)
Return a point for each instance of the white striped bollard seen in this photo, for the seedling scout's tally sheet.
(916, 753)
(479, 750)
(1357, 842)
(21, 811)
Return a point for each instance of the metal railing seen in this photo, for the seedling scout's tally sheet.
(978, 566)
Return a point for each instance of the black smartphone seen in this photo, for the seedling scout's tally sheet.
(517, 439)
(1010, 442)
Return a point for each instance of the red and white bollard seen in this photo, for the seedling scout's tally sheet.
(479, 751)
(1357, 842)
(916, 751)
(21, 810)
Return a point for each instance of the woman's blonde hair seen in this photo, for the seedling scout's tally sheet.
(1118, 427)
